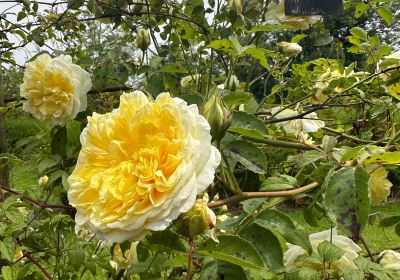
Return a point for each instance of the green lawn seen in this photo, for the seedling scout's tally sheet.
(377, 238)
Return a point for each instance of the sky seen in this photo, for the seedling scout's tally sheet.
(12, 8)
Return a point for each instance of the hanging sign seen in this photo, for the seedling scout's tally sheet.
(313, 7)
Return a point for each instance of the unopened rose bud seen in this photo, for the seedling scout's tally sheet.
(190, 80)
(143, 39)
(200, 219)
(43, 181)
(123, 260)
(289, 49)
(218, 116)
(216, 197)
(232, 83)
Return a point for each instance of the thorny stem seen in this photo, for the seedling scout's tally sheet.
(367, 248)
(38, 265)
(34, 201)
(190, 256)
(248, 195)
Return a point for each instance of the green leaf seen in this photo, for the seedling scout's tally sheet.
(259, 55)
(73, 138)
(250, 205)
(350, 273)
(192, 99)
(121, 72)
(386, 14)
(9, 273)
(278, 182)
(15, 216)
(266, 243)
(298, 38)
(48, 163)
(156, 263)
(59, 141)
(234, 98)
(248, 125)
(385, 158)
(347, 199)
(100, 77)
(222, 270)
(248, 154)
(38, 39)
(306, 158)
(359, 33)
(6, 249)
(276, 220)
(351, 154)
(304, 273)
(224, 45)
(329, 252)
(75, 4)
(361, 8)
(172, 68)
(265, 28)
(389, 221)
(328, 143)
(167, 241)
(397, 229)
(232, 249)
(21, 15)
(77, 257)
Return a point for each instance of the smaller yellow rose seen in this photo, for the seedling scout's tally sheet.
(379, 185)
(55, 89)
(390, 260)
(351, 251)
(290, 49)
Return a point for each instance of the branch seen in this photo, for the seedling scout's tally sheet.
(92, 91)
(38, 265)
(277, 143)
(248, 195)
(34, 201)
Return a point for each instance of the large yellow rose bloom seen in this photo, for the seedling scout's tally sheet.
(141, 166)
(55, 89)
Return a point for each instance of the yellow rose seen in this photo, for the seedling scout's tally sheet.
(299, 127)
(43, 181)
(141, 166)
(276, 14)
(55, 89)
(390, 260)
(351, 250)
(289, 49)
(379, 185)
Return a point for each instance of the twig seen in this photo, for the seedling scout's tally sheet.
(248, 195)
(38, 265)
(367, 248)
(190, 256)
(34, 201)
(277, 143)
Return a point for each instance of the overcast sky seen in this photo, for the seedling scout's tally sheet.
(21, 55)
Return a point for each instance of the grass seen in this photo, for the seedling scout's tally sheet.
(377, 238)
